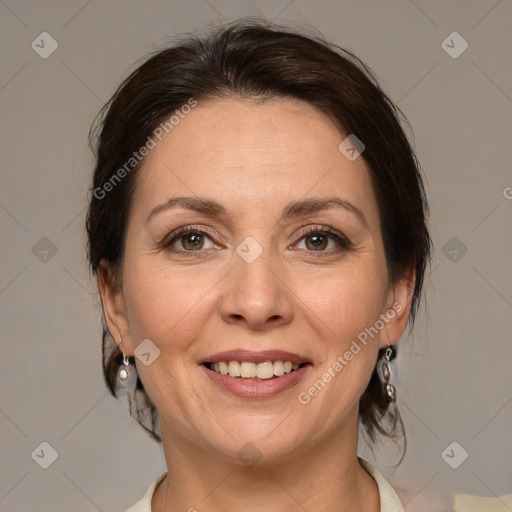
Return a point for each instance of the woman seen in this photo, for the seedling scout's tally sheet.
(258, 229)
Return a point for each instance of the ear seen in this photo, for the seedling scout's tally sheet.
(398, 308)
(114, 309)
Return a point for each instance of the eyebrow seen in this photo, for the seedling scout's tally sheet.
(291, 210)
(314, 205)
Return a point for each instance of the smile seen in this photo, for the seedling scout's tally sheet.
(262, 374)
(256, 371)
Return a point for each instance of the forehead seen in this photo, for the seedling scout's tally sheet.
(245, 153)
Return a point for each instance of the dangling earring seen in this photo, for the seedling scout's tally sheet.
(126, 375)
(385, 373)
(124, 372)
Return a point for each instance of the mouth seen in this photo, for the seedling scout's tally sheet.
(248, 370)
(256, 374)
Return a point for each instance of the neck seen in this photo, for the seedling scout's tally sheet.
(324, 477)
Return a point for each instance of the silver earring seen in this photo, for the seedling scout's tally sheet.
(126, 377)
(124, 372)
(385, 373)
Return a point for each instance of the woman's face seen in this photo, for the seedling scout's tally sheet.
(283, 261)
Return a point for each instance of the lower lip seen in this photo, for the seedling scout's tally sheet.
(268, 388)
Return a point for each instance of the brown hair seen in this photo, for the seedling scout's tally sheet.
(256, 59)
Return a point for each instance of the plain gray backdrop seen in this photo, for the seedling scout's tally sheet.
(453, 381)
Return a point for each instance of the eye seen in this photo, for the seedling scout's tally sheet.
(188, 239)
(323, 240)
(191, 239)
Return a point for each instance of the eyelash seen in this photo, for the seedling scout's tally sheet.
(344, 244)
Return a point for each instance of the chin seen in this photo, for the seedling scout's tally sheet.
(258, 445)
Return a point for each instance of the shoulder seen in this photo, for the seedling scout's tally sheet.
(389, 500)
(144, 505)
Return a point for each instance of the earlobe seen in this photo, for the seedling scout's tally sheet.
(114, 310)
(400, 307)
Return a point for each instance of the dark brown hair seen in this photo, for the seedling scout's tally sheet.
(252, 58)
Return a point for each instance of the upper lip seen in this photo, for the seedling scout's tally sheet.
(255, 357)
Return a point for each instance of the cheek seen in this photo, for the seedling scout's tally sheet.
(164, 306)
(345, 304)
(344, 315)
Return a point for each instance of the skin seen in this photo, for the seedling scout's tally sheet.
(254, 159)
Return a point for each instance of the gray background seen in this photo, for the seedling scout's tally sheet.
(454, 378)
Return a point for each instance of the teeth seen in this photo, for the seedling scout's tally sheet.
(247, 370)
(265, 370)
(223, 368)
(234, 369)
(278, 368)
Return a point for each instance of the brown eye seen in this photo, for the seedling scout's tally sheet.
(316, 242)
(187, 240)
(324, 241)
(192, 241)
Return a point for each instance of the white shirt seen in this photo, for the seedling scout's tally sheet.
(389, 501)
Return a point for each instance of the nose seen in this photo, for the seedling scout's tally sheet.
(255, 295)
